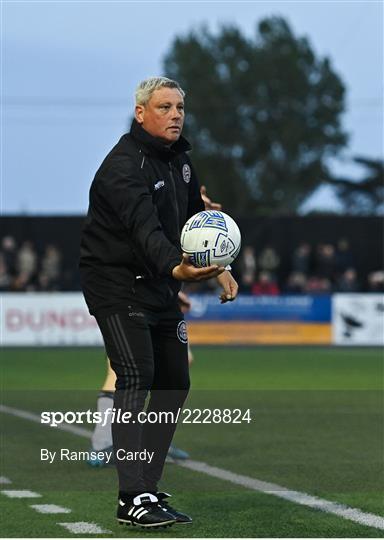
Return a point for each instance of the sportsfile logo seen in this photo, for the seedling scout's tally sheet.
(110, 415)
(113, 415)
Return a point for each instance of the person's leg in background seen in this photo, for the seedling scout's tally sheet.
(102, 434)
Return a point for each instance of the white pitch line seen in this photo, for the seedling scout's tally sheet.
(5, 480)
(36, 418)
(83, 527)
(19, 494)
(304, 499)
(50, 509)
(353, 514)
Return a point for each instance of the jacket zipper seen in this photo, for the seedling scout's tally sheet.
(175, 194)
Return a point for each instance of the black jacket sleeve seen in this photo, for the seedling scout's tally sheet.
(126, 192)
(195, 202)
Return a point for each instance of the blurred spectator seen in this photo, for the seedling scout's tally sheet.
(8, 250)
(26, 268)
(5, 278)
(376, 281)
(348, 281)
(318, 285)
(269, 261)
(45, 284)
(344, 257)
(325, 261)
(266, 285)
(22, 283)
(301, 260)
(296, 283)
(50, 268)
(26, 259)
(247, 268)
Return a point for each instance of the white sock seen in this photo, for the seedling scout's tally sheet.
(102, 435)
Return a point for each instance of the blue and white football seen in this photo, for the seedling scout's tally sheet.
(211, 237)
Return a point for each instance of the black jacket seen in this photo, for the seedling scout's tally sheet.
(140, 198)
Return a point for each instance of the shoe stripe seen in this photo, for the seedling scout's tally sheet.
(137, 511)
(131, 510)
(141, 513)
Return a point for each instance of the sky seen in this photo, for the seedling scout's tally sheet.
(70, 68)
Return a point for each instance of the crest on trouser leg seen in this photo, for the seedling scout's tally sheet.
(182, 332)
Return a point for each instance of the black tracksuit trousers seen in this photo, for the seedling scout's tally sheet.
(148, 352)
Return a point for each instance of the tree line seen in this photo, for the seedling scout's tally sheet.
(265, 117)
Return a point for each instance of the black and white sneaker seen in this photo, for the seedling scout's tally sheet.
(144, 511)
(181, 519)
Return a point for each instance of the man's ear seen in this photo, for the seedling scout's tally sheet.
(139, 114)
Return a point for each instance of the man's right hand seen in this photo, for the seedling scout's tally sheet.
(185, 271)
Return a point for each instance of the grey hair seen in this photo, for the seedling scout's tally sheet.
(146, 88)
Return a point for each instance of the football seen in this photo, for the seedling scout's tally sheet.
(211, 237)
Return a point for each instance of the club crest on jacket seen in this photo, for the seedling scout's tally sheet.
(186, 173)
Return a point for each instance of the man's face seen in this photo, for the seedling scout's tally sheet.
(163, 115)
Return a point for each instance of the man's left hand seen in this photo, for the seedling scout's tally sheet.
(184, 302)
(209, 205)
(230, 287)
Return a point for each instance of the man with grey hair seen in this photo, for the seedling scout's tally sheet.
(146, 88)
(131, 268)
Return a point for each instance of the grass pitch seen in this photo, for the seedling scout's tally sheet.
(316, 428)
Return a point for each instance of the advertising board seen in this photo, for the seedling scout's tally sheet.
(358, 319)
